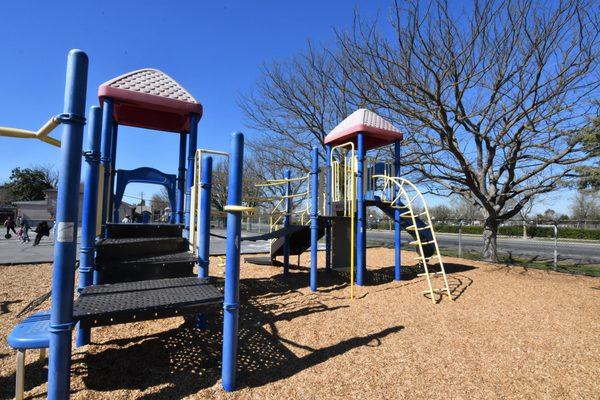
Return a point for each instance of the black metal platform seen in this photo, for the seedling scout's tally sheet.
(143, 230)
(143, 300)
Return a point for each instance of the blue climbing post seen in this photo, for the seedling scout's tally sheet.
(286, 223)
(397, 212)
(314, 217)
(65, 241)
(204, 225)
(107, 129)
(328, 208)
(232, 267)
(180, 179)
(360, 212)
(114, 217)
(193, 144)
(90, 207)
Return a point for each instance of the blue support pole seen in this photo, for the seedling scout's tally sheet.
(232, 268)
(114, 214)
(360, 212)
(204, 225)
(107, 129)
(65, 241)
(180, 179)
(328, 207)
(397, 226)
(90, 208)
(192, 147)
(286, 223)
(314, 217)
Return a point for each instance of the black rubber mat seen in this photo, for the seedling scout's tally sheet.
(143, 230)
(143, 300)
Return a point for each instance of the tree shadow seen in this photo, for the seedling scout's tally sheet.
(184, 360)
(5, 304)
(36, 374)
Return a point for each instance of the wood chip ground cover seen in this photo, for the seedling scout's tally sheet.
(510, 333)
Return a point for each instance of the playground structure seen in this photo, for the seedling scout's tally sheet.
(354, 183)
(136, 272)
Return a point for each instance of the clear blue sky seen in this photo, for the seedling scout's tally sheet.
(214, 49)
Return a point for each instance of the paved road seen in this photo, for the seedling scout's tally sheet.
(584, 252)
(11, 251)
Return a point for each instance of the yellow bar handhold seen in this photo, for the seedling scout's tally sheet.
(238, 208)
(41, 134)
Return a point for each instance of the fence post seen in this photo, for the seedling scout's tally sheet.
(460, 224)
(555, 246)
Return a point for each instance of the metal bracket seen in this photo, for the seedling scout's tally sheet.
(72, 119)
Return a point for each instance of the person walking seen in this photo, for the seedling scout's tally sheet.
(25, 226)
(41, 230)
(9, 224)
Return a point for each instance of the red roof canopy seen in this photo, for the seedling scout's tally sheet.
(377, 131)
(149, 98)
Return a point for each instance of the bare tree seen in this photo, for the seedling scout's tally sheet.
(492, 98)
(294, 106)
(585, 205)
(160, 200)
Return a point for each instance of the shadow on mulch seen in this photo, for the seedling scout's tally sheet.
(186, 360)
(36, 374)
(4, 305)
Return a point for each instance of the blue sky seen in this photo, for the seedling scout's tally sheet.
(214, 49)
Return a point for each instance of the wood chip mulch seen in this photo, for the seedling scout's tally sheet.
(510, 333)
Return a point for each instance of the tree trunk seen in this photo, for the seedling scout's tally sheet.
(490, 236)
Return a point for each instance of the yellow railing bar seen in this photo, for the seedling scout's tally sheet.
(351, 197)
(41, 134)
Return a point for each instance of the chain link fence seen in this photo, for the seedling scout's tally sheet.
(566, 246)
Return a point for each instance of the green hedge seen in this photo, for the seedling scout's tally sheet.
(532, 231)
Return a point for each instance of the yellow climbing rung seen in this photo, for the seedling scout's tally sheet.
(414, 228)
(416, 243)
(440, 290)
(427, 258)
(430, 273)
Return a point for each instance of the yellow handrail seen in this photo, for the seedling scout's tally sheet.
(41, 134)
(349, 183)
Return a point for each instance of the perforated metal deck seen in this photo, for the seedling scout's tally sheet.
(143, 300)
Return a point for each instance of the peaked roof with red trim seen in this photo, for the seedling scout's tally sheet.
(149, 98)
(377, 130)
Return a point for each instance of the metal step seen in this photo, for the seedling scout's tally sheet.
(117, 231)
(120, 248)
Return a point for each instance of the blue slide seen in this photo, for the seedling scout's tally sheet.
(425, 234)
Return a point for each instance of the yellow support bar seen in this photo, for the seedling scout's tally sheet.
(41, 134)
(238, 208)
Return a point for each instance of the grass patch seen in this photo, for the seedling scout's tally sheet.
(566, 266)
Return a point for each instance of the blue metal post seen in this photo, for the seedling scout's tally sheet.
(107, 129)
(90, 207)
(286, 223)
(204, 225)
(328, 207)
(193, 145)
(397, 226)
(180, 179)
(232, 268)
(360, 212)
(114, 216)
(65, 241)
(314, 216)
